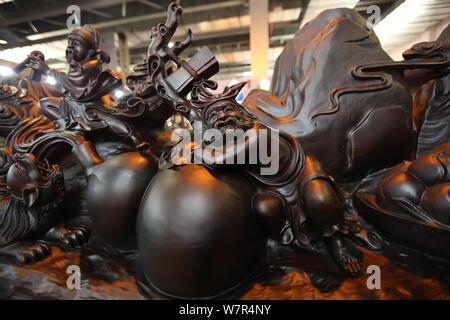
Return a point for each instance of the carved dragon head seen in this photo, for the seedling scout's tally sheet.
(35, 183)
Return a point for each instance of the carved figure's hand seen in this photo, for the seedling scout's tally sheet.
(37, 64)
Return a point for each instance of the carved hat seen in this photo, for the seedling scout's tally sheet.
(88, 35)
(202, 98)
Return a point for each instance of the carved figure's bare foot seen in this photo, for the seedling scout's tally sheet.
(350, 264)
(69, 237)
(26, 252)
(324, 284)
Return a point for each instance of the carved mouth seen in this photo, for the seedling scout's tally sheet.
(225, 124)
(69, 56)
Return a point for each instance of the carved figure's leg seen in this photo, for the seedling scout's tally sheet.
(87, 155)
(325, 208)
(53, 109)
(123, 129)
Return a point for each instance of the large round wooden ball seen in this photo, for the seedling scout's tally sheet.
(197, 235)
(115, 190)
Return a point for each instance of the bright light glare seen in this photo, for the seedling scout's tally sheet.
(3, 41)
(233, 82)
(5, 71)
(264, 84)
(51, 80)
(171, 44)
(118, 94)
(398, 19)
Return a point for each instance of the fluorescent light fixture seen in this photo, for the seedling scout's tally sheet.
(399, 19)
(5, 71)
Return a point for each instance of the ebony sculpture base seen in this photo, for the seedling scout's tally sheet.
(295, 275)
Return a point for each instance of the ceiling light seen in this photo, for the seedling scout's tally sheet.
(118, 94)
(264, 84)
(6, 71)
(51, 80)
(398, 19)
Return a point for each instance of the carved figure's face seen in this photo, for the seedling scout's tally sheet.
(76, 50)
(225, 115)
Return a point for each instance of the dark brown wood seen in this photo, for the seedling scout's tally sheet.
(92, 175)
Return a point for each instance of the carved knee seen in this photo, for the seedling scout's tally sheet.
(436, 201)
(322, 203)
(51, 107)
(401, 186)
(270, 209)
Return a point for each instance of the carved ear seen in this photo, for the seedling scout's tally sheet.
(91, 53)
(30, 194)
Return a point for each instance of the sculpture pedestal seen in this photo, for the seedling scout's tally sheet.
(115, 276)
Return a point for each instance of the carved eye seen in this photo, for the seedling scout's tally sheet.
(213, 114)
(229, 109)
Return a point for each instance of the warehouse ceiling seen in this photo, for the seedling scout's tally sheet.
(222, 25)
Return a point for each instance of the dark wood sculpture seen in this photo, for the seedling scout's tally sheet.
(83, 87)
(76, 162)
(411, 202)
(356, 92)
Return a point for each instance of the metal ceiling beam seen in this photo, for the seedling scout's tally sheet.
(47, 11)
(122, 23)
(151, 4)
(100, 13)
(53, 22)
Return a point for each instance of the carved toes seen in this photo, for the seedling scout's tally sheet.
(25, 252)
(33, 254)
(72, 238)
(351, 265)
